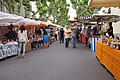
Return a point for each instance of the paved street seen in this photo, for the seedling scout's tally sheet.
(55, 63)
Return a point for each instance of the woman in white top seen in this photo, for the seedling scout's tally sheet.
(23, 39)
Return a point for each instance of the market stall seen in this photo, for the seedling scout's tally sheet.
(11, 21)
(102, 18)
(108, 49)
(89, 21)
(8, 48)
(30, 24)
(83, 21)
(110, 58)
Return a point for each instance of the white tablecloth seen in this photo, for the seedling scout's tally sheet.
(8, 49)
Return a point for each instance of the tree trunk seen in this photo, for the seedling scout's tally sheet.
(9, 6)
(21, 8)
(3, 4)
(40, 16)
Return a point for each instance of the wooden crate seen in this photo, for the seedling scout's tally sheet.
(28, 47)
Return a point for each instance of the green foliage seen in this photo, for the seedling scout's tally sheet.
(18, 10)
(58, 9)
(12, 5)
(27, 4)
(82, 9)
(17, 1)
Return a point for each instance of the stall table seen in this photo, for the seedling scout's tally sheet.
(8, 49)
(110, 58)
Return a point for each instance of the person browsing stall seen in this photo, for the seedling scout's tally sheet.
(23, 39)
(73, 34)
(110, 30)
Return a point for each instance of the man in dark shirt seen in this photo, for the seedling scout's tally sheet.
(95, 30)
(11, 35)
(61, 35)
(110, 30)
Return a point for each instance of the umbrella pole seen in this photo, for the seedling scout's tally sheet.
(101, 30)
(101, 22)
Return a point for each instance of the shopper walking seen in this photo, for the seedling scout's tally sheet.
(45, 38)
(77, 34)
(73, 34)
(56, 34)
(23, 39)
(67, 36)
(48, 32)
(88, 34)
(61, 35)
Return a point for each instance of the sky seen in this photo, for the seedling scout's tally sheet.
(34, 8)
(71, 12)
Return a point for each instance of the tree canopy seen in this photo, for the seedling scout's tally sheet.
(57, 9)
(82, 9)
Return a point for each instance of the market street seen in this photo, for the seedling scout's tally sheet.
(55, 63)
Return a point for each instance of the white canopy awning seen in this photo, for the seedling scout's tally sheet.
(6, 19)
(106, 17)
(28, 21)
(43, 24)
(9, 18)
(103, 3)
(58, 26)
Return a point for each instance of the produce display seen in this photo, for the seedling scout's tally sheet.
(112, 42)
